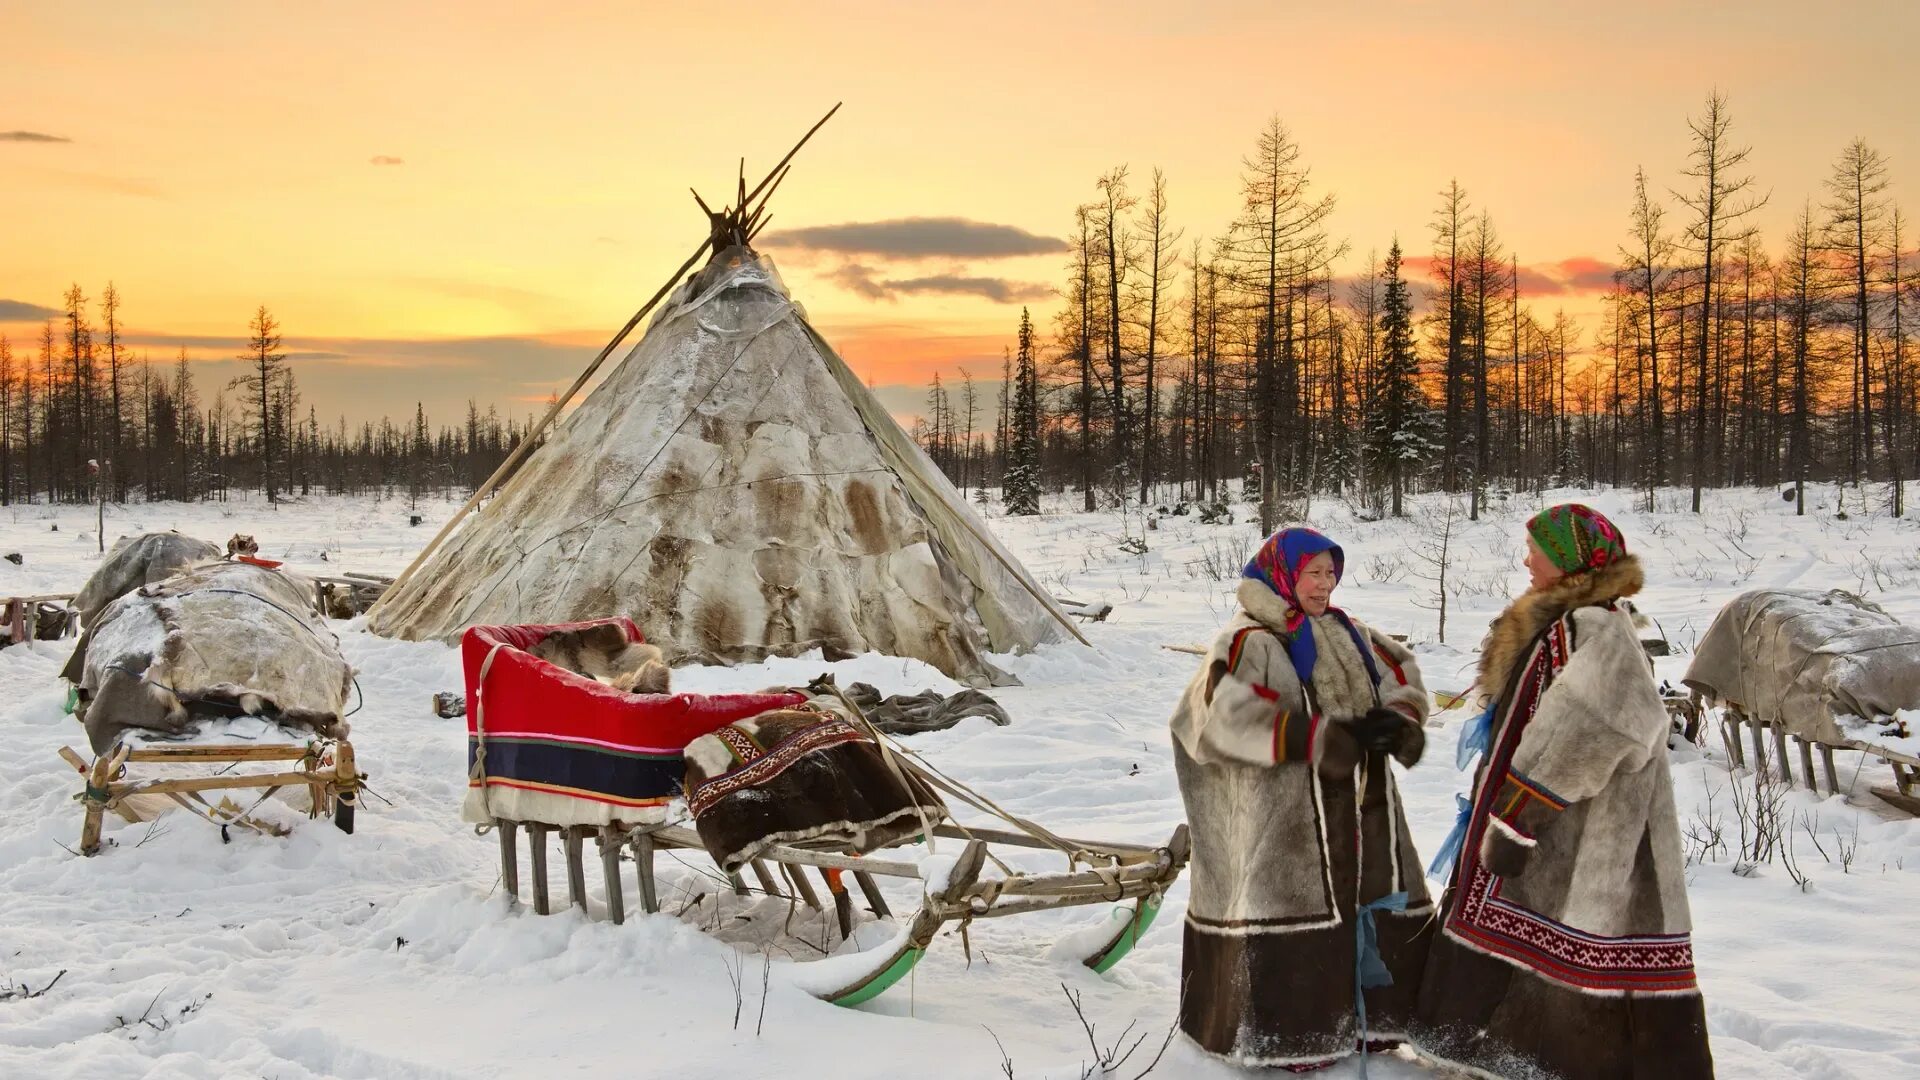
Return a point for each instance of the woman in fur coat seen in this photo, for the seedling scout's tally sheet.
(1564, 949)
(1301, 856)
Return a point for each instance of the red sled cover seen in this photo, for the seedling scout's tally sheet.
(546, 744)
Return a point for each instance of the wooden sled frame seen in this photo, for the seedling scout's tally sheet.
(1906, 770)
(326, 766)
(20, 617)
(1136, 881)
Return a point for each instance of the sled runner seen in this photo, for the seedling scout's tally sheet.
(787, 787)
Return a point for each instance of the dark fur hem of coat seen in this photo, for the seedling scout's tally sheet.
(1284, 995)
(1497, 1020)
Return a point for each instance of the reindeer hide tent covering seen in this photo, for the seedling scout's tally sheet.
(734, 488)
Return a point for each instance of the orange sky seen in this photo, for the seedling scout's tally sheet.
(444, 200)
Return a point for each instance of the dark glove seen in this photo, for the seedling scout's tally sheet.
(1340, 749)
(1390, 731)
(1504, 851)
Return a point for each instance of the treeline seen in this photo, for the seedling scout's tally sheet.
(81, 419)
(1177, 368)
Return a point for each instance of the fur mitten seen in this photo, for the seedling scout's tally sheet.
(1390, 731)
(1504, 851)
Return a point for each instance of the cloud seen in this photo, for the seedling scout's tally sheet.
(383, 159)
(863, 280)
(999, 290)
(32, 136)
(1580, 274)
(21, 311)
(919, 238)
(542, 351)
(908, 354)
(1584, 273)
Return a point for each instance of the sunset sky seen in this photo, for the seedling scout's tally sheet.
(451, 200)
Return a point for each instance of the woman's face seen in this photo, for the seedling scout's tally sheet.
(1540, 569)
(1315, 586)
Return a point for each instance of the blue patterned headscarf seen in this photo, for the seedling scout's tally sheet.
(1277, 566)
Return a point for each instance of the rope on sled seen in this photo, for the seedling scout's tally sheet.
(479, 770)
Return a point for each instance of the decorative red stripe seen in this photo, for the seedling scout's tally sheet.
(1398, 673)
(571, 793)
(1239, 643)
(1267, 692)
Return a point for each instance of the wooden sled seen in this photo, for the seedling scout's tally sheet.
(325, 766)
(609, 766)
(1133, 881)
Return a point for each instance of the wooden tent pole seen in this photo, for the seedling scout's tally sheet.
(527, 443)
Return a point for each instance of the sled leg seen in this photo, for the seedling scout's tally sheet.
(1780, 746)
(1759, 746)
(537, 851)
(610, 872)
(739, 885)
(510, 858)
(842, 900)
(875, 900)
(643, 871)
(1730, 738)
(1826, 765)
(801, 886)
(576, 870)
(1806, 766)
(95, 802)
(765, 878)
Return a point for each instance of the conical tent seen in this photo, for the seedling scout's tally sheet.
(734, 488)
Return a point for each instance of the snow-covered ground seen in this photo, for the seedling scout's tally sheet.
(391, 953)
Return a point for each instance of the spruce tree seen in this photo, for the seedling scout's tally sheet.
(1022, 484)
(1398, 423)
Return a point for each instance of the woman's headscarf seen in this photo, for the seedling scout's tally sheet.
(1277, 566)
(1576, 538)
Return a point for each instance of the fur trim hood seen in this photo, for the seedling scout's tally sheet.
(1512, 635)
(1264, 604)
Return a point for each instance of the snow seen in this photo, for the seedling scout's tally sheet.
(391, 952)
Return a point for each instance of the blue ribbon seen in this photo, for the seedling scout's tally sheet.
(1443, 860)
(1369, 971)
(1474, 740)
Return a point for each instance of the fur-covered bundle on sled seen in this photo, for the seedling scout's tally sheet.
(812, 775)
(217, 639)
(134, 561)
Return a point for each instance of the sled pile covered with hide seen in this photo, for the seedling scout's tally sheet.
(1829, 669)
(776, 785)
(219, 664)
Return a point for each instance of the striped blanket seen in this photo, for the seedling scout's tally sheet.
(549, 745)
